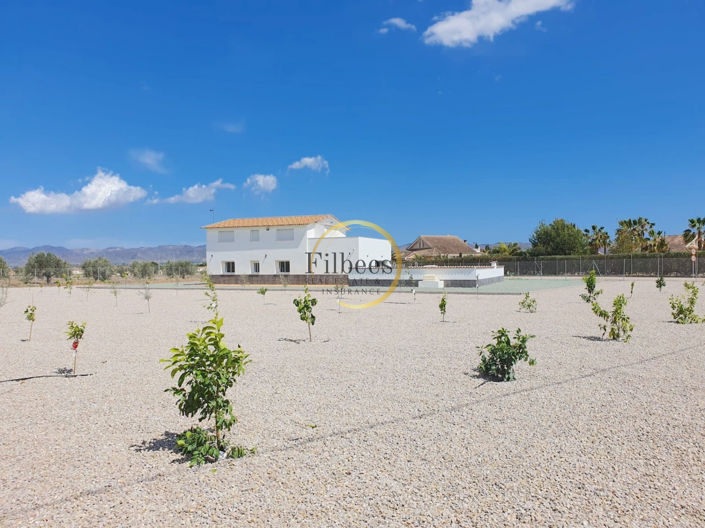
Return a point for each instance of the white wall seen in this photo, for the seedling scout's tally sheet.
(268, 250)
(440, 273)
(352, 249)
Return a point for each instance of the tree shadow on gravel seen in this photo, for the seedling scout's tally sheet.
(290, 340)
(166, 442)
(592, 338)
(47, 376)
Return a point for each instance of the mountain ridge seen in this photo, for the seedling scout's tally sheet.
(17, 256)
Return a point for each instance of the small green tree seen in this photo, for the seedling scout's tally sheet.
(660, 283)
(304, 305)
(45, 265)
(590, 286)
(75, 335)
(211, 294)
(31, 316)
(204, 369)
(262, 292)
(527, 303)
(115, 291)
(683, 308)
(620, 326)
(631, 290)
(68, 283)
(503, 355)
(146, 294)
(99, 269)
(442, 307)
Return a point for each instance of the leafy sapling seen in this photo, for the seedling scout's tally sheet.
(683, 308)
(262, 292)
(616, 321)
(304, 305)
(146, 294)
(204, 369)
(592, 293)
(68, 283)
(211, 294)
(442, 307)
(75, 335)
(413, 295)
(3, 292)
(115, 291)
(660, 283)
(31, 316)
(527, 303)
(502, 355)
(631, 290)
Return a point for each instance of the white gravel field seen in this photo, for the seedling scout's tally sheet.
(381, 421)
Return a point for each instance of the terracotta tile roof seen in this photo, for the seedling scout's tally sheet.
(431, 245)
(677, 244)
(271, 221)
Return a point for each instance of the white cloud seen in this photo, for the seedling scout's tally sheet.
(261, 183)
(315, 163)
(539, 26)
(197, 193)
(103, 191)
(398, 23)
(486, 18)
(149, 159)
(233, 127)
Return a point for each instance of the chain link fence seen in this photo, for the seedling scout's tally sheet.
(617, 266)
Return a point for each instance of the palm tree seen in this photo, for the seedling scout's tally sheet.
(632, 232)
(696, 226)
(657, 242)
(598, 239)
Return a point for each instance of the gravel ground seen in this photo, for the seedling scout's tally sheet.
(381, 421)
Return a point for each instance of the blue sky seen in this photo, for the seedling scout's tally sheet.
(125, 123)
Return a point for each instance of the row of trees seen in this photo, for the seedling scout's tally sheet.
(633, 235)
(48, 266)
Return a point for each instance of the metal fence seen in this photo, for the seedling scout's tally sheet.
(634, 266)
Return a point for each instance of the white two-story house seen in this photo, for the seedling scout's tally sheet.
(259, 250)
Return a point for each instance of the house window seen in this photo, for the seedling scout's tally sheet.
(226, 236)
(254, 266)
(228, 267)
(283, 266)
(285, 234)
(254, 235)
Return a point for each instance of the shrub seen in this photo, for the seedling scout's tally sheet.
(75, 335)
(503, 354)
(683, 309)
(68, 283)
(590, 286)
(30, 315)
(442, 307)
(660, 283)
(262, 292)
(304, 305)
(631, 289)
(205, 368)
(527, 303)
(620, 326)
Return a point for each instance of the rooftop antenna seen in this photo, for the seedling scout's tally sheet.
(212, 215)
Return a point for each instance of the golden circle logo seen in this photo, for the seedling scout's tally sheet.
(385, 234)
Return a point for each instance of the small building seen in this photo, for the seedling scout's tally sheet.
(439, 246)
(277, 250)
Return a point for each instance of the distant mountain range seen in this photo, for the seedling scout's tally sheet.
(17, 256)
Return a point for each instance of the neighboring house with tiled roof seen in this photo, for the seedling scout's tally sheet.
(262, 250)
(676, 244)
(439, 246)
